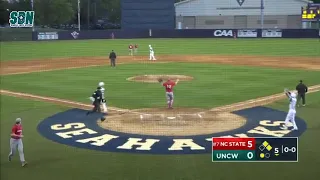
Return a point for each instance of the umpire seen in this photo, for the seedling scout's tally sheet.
(302, 90)
(96, 99)
(112, 57)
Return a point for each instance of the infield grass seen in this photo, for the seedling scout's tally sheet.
(213, 85)
(77, 48)
(51, 161)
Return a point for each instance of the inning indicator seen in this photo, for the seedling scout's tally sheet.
(254, 149)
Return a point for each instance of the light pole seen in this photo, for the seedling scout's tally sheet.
(79, 15)
(88, 14)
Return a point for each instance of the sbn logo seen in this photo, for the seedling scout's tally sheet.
(21, 19)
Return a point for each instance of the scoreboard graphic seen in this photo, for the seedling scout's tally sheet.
(262, 149)
(310, 12)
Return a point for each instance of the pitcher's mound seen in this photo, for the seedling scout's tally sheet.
(173, 122)
(154, 78)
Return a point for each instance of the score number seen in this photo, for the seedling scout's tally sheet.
(310, 13)
(250, 155)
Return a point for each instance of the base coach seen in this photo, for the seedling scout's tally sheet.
(112, 57)
(302, 90)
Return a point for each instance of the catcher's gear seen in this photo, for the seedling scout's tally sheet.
(91, 98)
(103, 119)
(160, 80)
(104, 107)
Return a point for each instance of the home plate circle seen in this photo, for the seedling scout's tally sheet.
(172, 122)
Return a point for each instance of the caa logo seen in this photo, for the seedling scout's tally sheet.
(219, 33)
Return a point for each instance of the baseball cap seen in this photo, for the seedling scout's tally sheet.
(18, 120)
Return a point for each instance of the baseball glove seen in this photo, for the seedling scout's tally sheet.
(160, 80)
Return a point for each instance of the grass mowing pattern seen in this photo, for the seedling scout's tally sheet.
(51, 161)
(264, 47)
(213, 85)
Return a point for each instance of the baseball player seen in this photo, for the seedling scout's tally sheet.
(96, 99)
(136, 49)
(103, 100)
(292, 110)
(130, 49)
(169, 84)
(16, 142)
(151, 53)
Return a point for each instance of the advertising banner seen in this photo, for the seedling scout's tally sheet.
(223, 33)
(47, 36)
(247, 33)
(272, 33)
(177, 33)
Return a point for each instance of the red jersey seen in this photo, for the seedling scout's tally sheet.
(17, 130)
(130, 47)
(169, 85)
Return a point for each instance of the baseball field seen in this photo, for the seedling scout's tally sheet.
(227, 87)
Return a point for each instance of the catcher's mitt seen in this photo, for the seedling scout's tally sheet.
(160, 80)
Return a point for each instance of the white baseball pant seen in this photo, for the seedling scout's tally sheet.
(14, 145)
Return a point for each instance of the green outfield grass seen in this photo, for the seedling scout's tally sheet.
(51, 161)
(213, 85)
(266, 47)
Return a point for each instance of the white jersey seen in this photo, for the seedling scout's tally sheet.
(151, 49)
(102, 92)
(293, 102)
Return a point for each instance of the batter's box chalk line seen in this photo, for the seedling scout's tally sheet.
(145, 117)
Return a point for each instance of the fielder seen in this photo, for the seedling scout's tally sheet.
(130, 49)
(16, 142)
(151, 57)
(292, 110)
(169, 84)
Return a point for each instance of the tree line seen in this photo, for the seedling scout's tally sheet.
(56, 12)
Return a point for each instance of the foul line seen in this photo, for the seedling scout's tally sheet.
(259, 101)
(67, 68)
(53, 69)
(232, 107)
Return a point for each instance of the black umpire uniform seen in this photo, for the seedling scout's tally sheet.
(112, 57)
(302, 90)
(97, 95)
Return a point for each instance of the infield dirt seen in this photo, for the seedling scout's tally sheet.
(177, 122)
(22, 67)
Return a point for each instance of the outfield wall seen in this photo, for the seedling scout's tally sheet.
(185, 33)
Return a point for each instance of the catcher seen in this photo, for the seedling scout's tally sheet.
(169, 84)
(97, 99)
